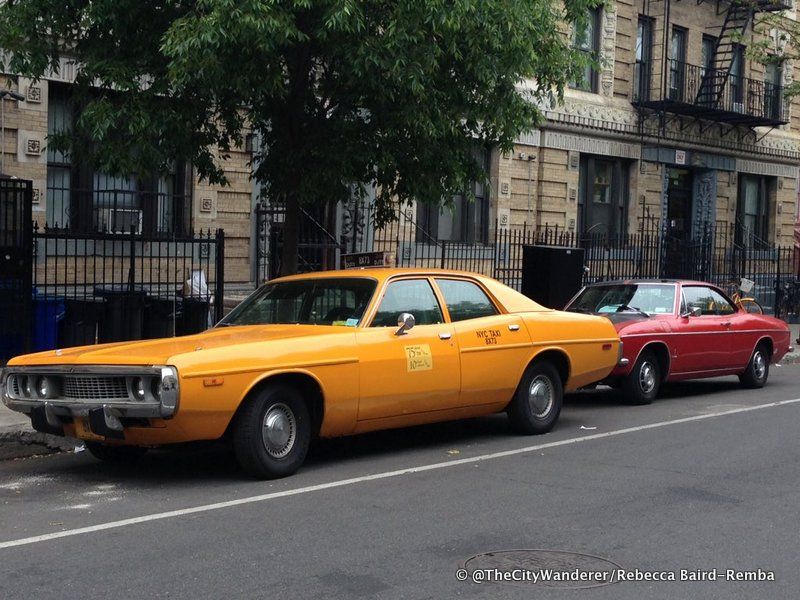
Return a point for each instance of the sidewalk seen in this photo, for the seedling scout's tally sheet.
(18, 439)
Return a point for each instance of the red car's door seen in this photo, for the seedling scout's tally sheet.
(705, 342)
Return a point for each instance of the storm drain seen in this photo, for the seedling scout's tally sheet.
(542, 568)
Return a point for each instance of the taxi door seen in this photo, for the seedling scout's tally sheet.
(411, 372)
(493, 347)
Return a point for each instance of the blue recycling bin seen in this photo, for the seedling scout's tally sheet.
(48, 312)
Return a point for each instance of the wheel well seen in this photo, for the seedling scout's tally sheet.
(558, 359)
(662, 355)
(766, 341)
(305, 384)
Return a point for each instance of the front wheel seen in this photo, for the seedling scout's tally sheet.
(272, 432)
(115, 454)
(537, 402)
(641, 385)
(757, 371)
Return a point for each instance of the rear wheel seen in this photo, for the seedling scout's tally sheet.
(272, 432)
(757, 371)
(537, 402)
(115, 454)
(641, 385)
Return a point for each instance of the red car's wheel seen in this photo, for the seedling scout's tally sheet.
(757, 371)
(642, 383)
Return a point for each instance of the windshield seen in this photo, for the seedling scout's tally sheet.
(651, 299)
(334, 301)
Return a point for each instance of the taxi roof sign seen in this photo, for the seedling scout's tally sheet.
(368, 260)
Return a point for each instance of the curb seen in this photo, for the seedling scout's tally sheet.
(791, 359)
(22, 443)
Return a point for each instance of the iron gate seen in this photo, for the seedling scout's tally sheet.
(318, 248)
(16, 255)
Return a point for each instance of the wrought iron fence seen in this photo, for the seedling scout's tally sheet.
(15, 266)
(100, 287)
(317, 247)
(720, 254)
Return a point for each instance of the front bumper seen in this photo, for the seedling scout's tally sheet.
(85, 392)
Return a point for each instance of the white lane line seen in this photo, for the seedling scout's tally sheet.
(375, 476)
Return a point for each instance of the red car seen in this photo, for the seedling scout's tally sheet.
(673, 330)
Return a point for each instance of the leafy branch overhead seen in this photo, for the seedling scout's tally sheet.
(392, 93)
(776, 40)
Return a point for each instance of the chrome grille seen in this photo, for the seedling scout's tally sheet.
(15, 386)
(77, 387)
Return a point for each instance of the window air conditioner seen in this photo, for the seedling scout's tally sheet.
(119, 220)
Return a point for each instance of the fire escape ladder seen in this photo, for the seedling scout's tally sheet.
(738, 18)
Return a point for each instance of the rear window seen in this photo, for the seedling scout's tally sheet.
(465, 300)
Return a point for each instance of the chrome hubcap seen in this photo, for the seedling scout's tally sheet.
(279, 430)
(540, 396)
(647, 378)
(759, 365)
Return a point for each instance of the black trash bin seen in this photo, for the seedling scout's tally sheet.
(80, 324)
(194, 316)
(551, 275)
(161, 317)
(123, 315)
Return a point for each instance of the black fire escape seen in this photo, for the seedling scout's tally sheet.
(717, 91)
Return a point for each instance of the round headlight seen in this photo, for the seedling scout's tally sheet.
(138, 388)
(26, 383)
(43, 387)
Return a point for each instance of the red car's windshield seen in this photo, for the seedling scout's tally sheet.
(652, 299)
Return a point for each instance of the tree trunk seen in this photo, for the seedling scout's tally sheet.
(291, 236)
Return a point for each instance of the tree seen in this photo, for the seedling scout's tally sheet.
(776, 41)
(395, 93)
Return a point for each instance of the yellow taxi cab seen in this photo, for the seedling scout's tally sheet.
(321, 354)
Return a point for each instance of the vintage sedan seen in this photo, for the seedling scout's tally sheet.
(674, 330)
(323, 354)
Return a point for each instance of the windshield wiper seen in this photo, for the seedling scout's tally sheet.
(579, 309)
(633, 308)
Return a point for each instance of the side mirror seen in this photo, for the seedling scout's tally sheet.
(405, 322)
(692, 312)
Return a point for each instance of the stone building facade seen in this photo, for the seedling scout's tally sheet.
(642, 140)
(68, 196)
(676, 127)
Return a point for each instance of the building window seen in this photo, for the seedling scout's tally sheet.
(80, 198)
(59, 165)
(707, 53)
(773, 79)
(737, 79)
(644, 55)
(465, 220)
(752, 210)
(677, 64)
(586, 39)
(602, 196)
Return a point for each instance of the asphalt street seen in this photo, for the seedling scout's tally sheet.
(705, 478)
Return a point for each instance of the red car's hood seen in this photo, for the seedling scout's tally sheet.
(629, 324)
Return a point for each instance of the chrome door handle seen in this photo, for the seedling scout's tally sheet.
(728, 324)
(513, 327)
(444, 336)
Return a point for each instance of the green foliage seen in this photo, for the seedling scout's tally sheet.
(776, 40)
(396, 93)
